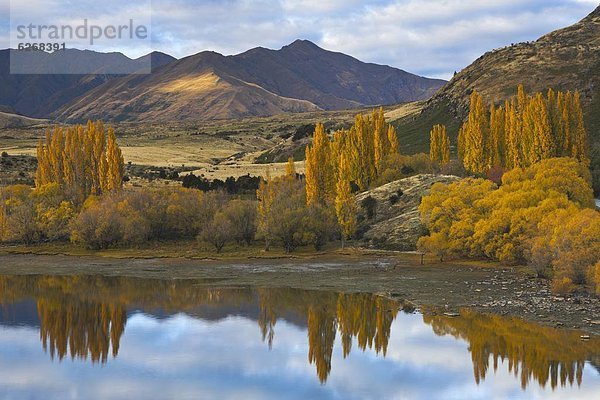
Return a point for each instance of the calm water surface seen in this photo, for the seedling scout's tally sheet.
(93, 337)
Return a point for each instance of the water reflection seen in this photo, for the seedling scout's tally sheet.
(532, 351)
(85, 317)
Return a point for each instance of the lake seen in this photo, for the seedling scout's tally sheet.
(95, 337)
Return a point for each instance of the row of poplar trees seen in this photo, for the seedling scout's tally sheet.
(439, 145)
(353, 159)
(82, 160)
(522, 131)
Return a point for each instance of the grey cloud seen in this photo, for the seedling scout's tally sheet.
(428, 37)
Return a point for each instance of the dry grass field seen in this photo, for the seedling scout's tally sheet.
(215, 149)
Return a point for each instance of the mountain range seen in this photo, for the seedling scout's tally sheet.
(40, 95)
(259, 82)
(301, 77)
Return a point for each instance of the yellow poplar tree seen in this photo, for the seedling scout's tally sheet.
(393, 139)
(579, 135)
(81, 160)
(444, 147)
(114, 168)
(554, 103)
(567, 126)
(433, 144)
(319, 175)
(526, 130)
(475, 132)
(290, 169)
(497, 142)
(543, 142)
(264, 195)
(381, 142)
(512, 129)
(439, 146)
(461, 143)
(345, 204)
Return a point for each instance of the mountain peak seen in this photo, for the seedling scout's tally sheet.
(302, 44)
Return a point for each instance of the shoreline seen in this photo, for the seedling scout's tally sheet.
(446, 287)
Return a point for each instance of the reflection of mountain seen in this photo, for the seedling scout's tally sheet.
(533, 351)
(85, 317)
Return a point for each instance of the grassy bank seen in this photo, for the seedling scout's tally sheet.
(191, 249)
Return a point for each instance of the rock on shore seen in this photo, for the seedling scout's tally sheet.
(389, 215)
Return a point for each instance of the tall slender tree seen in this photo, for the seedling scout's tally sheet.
(345, 204)
(319, 174)
(439, 145)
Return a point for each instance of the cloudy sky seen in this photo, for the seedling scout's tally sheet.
(186, 358)
(428, 37)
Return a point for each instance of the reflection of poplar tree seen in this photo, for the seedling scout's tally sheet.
(81, 328)
(321, 337)
(546, 354)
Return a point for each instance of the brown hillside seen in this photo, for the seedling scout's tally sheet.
(567, 59)
(260, 82)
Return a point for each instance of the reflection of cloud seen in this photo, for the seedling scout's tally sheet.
(431, 37)
(186, 358)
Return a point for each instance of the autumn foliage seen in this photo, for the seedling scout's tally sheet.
(81, 160)
(542, 215)
(30, 215)
(522, 131)
(285, 216)
(439, 145)
(355, 158)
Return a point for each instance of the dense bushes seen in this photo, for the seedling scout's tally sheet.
(543, 216)
(241, 215)
(133, 217)
(28, 215)
(109, 221)
(285, 217)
